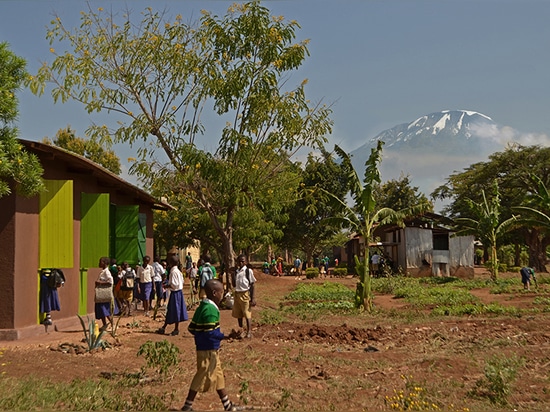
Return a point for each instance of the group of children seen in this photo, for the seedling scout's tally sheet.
(205, 325)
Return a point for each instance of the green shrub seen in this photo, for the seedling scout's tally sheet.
(340, 272)
(500, 373)
(312, 273)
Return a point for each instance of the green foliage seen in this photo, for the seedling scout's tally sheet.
(310, 301)
(307, 229)
(513, 169)
(18, 168)
(92, 340)
(366, 214)
(312, 273)
(270, 317)
(328, 291)
(158, 75)
(487, 225)
(500, 372)
(90, 149)
(162, 355)
(398, 194)
(340, 272)
(434, 296)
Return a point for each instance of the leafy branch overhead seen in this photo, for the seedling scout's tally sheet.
(158, 77)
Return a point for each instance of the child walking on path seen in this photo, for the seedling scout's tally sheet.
(176, 311)
(205, 326)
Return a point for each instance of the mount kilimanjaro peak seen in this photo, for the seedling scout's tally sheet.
(446, 131)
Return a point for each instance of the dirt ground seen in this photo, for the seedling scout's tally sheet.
(335, 363)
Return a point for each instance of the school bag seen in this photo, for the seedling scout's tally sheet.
(56, 279)
(127, 280)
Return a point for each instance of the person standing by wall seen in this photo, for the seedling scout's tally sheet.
(243, 282)
(105, 279)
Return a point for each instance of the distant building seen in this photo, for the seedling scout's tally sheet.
(85, 213)
(423, 247)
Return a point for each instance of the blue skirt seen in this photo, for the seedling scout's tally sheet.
(176, 311)
(146, 291)
(102, 310)
(49, 299)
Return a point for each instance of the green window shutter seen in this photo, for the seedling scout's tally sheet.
(56, 225)
(94, 228)
(126, 226)
(142, 236)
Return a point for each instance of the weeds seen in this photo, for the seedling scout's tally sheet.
(244, 391)
(500, 373)
(270, 317)
(161, 355)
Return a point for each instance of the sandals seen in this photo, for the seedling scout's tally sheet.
(175, 333)
(160, 331)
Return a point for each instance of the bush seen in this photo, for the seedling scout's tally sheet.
(340, 272)
(312, 273)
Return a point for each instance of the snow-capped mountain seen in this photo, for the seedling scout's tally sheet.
(433, 146)
(446, 132)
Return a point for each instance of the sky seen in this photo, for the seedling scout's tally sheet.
(377, 63)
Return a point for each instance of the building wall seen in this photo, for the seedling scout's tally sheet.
(7, 261)
(461, 251)
(419, 244)
(19, 242)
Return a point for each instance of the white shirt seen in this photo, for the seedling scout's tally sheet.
(158, 272)
(175, 279)
(145, 274)
(105, 276)
(375, 259)
(241, 280)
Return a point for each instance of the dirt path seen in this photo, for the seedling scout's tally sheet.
(335, 363)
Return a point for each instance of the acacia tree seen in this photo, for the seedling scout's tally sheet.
(365, 215)
(160, 76)
(17, 166)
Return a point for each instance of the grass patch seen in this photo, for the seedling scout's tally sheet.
(37, 394)
(310, 301)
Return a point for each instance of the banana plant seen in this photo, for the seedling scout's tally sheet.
(364, 216)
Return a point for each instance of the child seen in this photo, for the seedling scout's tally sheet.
(103, 309)
(176, 310)
(205, 326)
(127, 279)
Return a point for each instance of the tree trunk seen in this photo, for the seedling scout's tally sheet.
(537, 249)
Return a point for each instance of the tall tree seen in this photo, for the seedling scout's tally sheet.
(17, 166)
(365, 214)
(512, 169)
(89, 148)
(399, 194)
(307, 229)
(160, 75)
